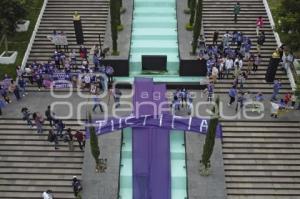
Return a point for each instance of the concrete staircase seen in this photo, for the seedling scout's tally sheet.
(261, 159)
(30, 165)
(58, 15)
(218, 14)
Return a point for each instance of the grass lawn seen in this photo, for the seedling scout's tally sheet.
(19, 41)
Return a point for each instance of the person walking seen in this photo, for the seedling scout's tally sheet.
(109, 70)
(22, 86)
(5, 95)
(26, 116)
(80, 139)
(52, 137)
(13, 88)
(214, 74)
(47, 194)
(259, 24)
(49, 115)
(240, 101)
(226, 39)
(97, 103)
(260, 41)
(77, 187)
(2, 105)
(276, 88)
(215, 37)
(210, 91)
(59, 127)
(236, 11)
(256, 63)
(117, 96)
(228, 66)
(39, 120)
(68, 137)
(232, 95)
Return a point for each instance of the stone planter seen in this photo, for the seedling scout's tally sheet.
(22, 26)
(8, 59)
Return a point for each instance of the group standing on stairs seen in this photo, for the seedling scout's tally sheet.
(224, 60)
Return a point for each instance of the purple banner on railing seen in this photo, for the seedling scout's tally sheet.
(165, 121)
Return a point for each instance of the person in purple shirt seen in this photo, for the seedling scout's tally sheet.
(232, 95)
(109, 72)
(210, 90)
(97, 103)
(276, 88)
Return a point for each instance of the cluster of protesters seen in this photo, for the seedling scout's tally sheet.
(233, 58)
(182, 100)
(223, 60)
(57, 131)
(63, 70)
(9, 86)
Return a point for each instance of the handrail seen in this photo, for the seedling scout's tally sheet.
(278, 41)
(37, 24)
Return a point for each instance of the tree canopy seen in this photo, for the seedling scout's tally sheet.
(13, 11)
(287, 19)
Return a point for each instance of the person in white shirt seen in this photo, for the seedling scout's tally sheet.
(47, 194)
(87, 81)
(228, 66)
(214, 74)
(226, 38)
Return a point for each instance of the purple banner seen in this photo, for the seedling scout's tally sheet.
(164, 121)
(151, 145)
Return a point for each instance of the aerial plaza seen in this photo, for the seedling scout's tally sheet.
(161, 99)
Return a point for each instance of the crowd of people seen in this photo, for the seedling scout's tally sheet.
(57, 132)
(234, 58)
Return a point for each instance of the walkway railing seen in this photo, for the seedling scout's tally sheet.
(289, 70)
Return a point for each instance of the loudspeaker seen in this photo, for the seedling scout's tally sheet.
(154, 62)
(78, 32)
(272, 69)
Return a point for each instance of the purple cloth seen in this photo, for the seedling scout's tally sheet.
(151, 147)
(165, 121)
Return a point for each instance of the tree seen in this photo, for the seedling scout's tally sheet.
(94, 143)
(287, 19)
(188, 10)
(114, 6)
(118, 13)
(210, 139)
(197, 26)
(122, 9)
(12, 11)
(297, 92)
(189, 26)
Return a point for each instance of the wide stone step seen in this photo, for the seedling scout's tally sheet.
(39, 171)
(260, 129)
(260, 151)
(261, 140)
(252, 156)
(261, 162)
(40, 189)
(37, 156)
(32, 195)
(49, 176)
(24, 183)
(273, 168)
(42, 165)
